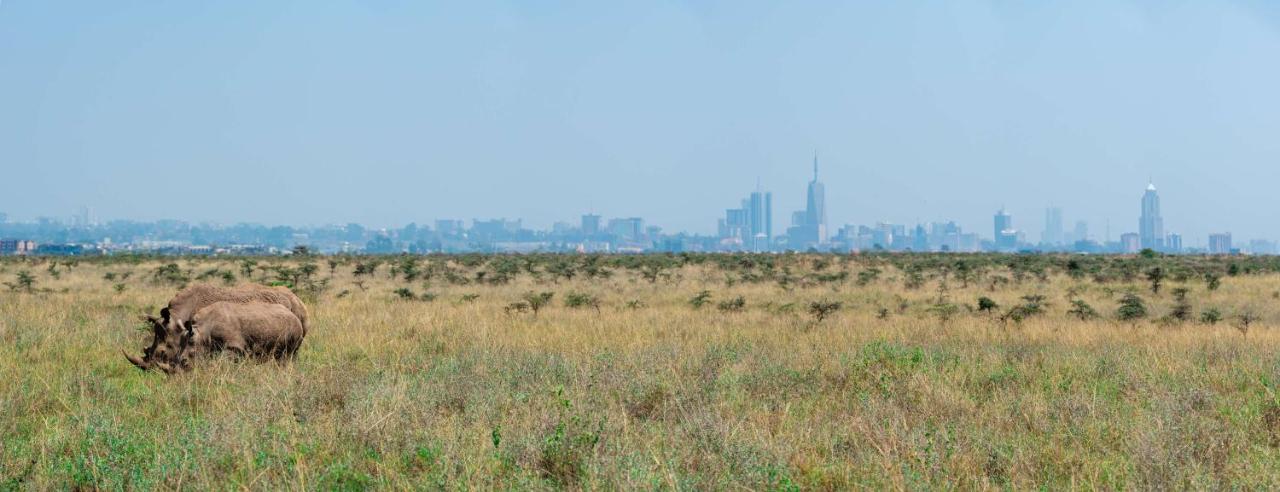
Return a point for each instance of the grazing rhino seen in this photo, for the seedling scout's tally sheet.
(171, 326)
(256, 329)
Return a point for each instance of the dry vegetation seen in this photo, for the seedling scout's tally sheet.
(672, 372)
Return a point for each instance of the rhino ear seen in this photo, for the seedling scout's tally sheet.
(156, 326)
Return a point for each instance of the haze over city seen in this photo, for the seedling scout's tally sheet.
(390, 112)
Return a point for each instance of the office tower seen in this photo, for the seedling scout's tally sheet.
(1006, 237)
(1220, 244)
(809, 227)
(1150, 225)
(590, 224)
(629, 229)
(1052, 234)
(1081, 231)
(1173, 243)
(1131, 242)
(1003, 222)
(752, 224)
(816, 209)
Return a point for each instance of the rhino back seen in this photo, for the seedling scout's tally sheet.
(259, 325)
(191, 300)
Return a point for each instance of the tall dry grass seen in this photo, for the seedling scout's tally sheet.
(460, 392)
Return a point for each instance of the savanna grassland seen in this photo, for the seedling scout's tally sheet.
(659, 372)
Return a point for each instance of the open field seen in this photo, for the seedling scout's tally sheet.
(426, 372)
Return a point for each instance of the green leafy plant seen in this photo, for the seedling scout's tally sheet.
(701, 299)
(1082, 310)
(735, 305)
(537, 301)
(1132, 308)
(820, 310)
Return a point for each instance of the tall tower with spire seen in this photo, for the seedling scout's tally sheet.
(816, 206)
(1150, 224)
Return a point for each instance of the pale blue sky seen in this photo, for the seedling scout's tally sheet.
(387, 112)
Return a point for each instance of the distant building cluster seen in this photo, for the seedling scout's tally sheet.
(747, 227)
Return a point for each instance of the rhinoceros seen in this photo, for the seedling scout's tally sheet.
(256, 329)
(171, 325)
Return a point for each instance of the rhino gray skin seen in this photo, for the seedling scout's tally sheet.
(192, 299)
(169, 329)
(254, 329)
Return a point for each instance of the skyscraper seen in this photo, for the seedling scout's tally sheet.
(1150, 225)
(809, 227)
(1003, 222)
(1006, 237)
(590, 224)
(816, 207)
(1220, 244)
(1052, 235)
(753, 223)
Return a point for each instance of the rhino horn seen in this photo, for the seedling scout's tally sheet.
(136, 361)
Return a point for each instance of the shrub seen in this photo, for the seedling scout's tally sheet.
(170, 274)
(1182, 307)
(868, 276)
(1082, 310)
(944, 311)
(1212, 281)
(537, 300)
(735, 305)
(820, 310)
(1132, 308)
(701, 299)
(576, 300)
(24, 281)
(986, 305)
(1156, 277)
(1211, 316)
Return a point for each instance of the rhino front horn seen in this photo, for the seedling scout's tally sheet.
(136, 361)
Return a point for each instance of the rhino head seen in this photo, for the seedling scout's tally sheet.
(169, 345)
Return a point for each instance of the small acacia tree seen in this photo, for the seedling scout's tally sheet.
(538, 300)
(820, 310)
(1156, 277)
(1082, 310)
(24, 281)
(1132, 308)
(985, 304)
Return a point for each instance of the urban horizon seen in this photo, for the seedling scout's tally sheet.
(748, 228)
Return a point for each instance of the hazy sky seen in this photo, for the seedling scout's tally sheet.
(387, 112)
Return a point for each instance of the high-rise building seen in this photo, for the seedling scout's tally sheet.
(809, 227)
(816, 205)
(1220, 244)
(751, 226)
(1052, 235)
(628, 229)
(1003, 222)
(1150, 225)
(1130, 242)
(590, 224)
(1173, 243)
(1006, 237)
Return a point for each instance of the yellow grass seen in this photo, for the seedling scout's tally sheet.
(451, 393)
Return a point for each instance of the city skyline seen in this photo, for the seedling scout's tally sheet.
(747, 228)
